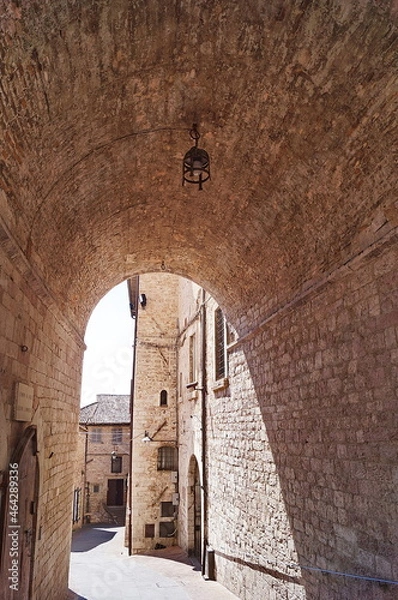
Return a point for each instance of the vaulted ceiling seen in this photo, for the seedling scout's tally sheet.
(296, 102)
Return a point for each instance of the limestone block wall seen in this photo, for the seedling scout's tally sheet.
(79, 481)
(189, 407)
(99, 470)
(303, 453)
(155, 373)
(39, 348)
(237, 520)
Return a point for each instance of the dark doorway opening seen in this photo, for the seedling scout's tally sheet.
(19, 520)
(115, 496)
(197, 517)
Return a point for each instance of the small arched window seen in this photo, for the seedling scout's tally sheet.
(163, 398)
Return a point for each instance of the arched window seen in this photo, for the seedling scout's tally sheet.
(167, 458)
(163, 398)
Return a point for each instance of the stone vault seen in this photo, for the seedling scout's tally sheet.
(296, 102)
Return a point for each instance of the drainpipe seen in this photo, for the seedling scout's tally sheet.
(133, 289)
(203, 390)
(86, 491)
(177, 435)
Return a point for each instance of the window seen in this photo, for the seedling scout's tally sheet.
(117, 435)
(150, 530)
(220, 344)
(192, 359)
(167, 509)
(163, 398)
(76, 505)
(96, 488)
(166, 529)
(116, 464)
(167, 458)
(96, 435)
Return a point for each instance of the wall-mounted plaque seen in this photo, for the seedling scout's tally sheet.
(23, 402)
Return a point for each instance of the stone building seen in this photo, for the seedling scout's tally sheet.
(155, 429)
(190, 390)
(294, 236)
(79, 480)
(105, 429)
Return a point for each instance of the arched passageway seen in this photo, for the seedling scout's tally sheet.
(294, 236)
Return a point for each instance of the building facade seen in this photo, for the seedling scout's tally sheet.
(185, 347)
(105, 434)
(154, 477)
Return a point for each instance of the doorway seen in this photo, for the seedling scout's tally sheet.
(19, 520)
(197, 516)
(115, 495)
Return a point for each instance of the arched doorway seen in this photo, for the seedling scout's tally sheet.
(19, 520)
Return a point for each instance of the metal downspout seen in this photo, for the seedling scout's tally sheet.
(203, 390)
(133, 289)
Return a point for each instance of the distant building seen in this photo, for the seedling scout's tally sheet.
(105, 426)
(79, 480)
(181, 374)
(154, 493)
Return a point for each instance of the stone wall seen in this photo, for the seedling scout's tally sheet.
(155, 371)
(303, 457)
(40, 349)
(79, 482)
(189, 407)
(99, 470)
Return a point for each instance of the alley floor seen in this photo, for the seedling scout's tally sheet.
(101, 569)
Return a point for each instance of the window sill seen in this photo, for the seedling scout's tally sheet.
(192, 391)
(192, 394)
(220, 384)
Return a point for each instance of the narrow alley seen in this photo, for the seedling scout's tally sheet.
(101, 570)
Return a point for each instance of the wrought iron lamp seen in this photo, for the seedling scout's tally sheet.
(196, 163)
(147, 438)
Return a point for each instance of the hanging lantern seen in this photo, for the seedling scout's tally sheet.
(196, 164)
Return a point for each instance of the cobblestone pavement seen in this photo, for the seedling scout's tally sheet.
(101, 570)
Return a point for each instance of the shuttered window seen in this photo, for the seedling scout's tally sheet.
(192, 359)
(220, 346)
(116, 464)
(96, 435)
(117, 435)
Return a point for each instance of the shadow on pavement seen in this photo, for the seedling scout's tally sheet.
(90, 537)
(73, 596)
(177, 554)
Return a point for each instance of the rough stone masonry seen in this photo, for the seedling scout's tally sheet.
(294, 236)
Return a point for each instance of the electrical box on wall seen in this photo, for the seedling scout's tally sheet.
(176, 499)
(173, 476)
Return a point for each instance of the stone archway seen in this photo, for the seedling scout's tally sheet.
(295, 236)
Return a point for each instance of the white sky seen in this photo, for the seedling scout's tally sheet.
(108, 360)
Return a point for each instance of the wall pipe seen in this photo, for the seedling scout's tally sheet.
(203, 390)
(133, 289)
